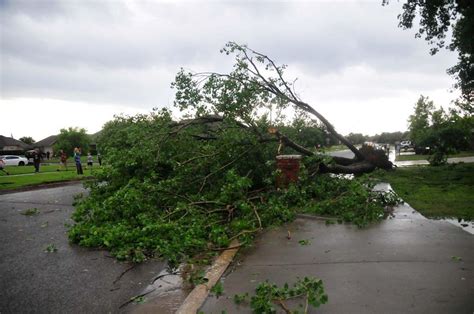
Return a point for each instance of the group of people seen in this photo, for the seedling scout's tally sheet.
(37, 156)
(77, 159)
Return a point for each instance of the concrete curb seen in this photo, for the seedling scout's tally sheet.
(199, 294)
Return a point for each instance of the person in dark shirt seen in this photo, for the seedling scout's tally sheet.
(77, 159)
(37, 160)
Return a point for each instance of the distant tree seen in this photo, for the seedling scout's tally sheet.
(436, 19)
(391, 137)
(27, 139)
(70, 138)
(357, 138)
(419, 121)
(444, 132)
(305, 131)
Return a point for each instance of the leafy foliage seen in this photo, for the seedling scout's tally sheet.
(27, 139)
(384, 137)
(436, 19)
(176, 189)
(70, 138)
(350, 200)
(445, 133)
(51, 248)
(217, 289)
(268, 296)
(164, 193)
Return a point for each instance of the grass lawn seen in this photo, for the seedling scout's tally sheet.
(31, 169)
(70, 159)
(425, 157)
(436, 192)
(13, 170)
(13, 182)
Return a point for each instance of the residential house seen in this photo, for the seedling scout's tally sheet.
(11, 146)
(46, 145)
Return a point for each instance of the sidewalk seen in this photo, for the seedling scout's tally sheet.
(425, 162)
(407, 264)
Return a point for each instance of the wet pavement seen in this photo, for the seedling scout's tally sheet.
(406, 264)
(164, 295)
(72, 279)
(349, 154)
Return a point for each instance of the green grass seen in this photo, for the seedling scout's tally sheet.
(14, 182)
(31, 169)
(13, 170)
(425, 157)
(436, 192)
(70, 159)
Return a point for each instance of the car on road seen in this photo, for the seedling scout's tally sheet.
(406, 145)
(14, 160)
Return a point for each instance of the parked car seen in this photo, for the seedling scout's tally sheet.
(13, 160)
(406, 145)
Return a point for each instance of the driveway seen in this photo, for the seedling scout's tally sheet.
(72, 279)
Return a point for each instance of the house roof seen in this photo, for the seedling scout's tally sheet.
(49, 141)
(9, 141)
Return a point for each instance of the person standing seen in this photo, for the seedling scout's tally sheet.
(2, 167)
(99, 159)
(63, 159)
(37, 160)
(90, 160)
(77, 159)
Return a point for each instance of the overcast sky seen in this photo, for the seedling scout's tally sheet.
(79, 62)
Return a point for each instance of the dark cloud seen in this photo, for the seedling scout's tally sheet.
(128, 52)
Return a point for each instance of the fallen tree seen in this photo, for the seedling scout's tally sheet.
(174, 189)
(256, 82)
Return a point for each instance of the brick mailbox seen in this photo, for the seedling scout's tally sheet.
(289, 166)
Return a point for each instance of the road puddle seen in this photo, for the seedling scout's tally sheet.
(467, 226)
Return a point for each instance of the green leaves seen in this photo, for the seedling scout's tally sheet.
(304, 242)
(51, 248)
(70, 138)
(218, 289)
(173, 189)
(268, 297)
(456, 258)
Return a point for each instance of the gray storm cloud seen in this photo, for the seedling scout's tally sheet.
(128, 52)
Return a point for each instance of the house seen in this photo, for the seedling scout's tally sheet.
(46, 145)
(11, 146)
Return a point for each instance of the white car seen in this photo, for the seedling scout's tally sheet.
(13, 160)
(406, 145)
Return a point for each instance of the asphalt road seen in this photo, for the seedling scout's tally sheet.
(342, 153)
(72, 279)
